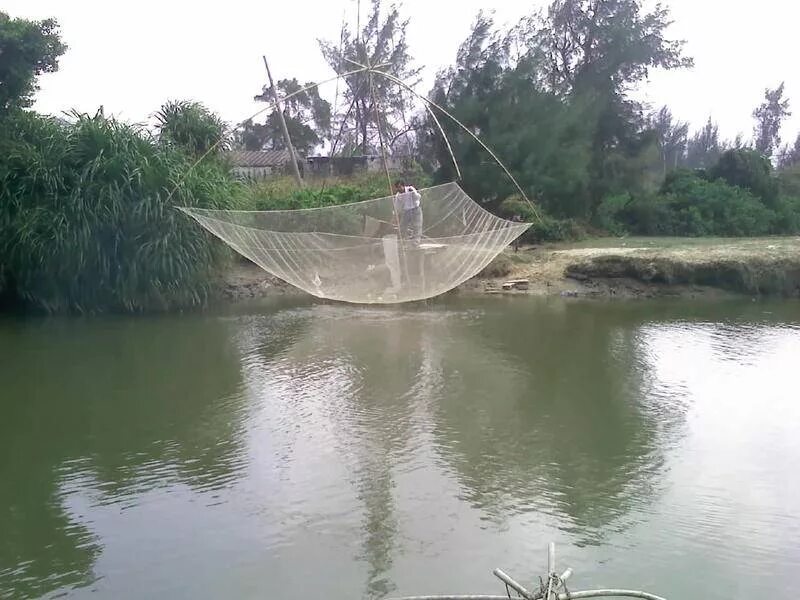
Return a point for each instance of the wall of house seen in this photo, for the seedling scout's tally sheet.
(254, 173)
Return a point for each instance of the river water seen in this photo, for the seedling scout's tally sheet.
(318, 451)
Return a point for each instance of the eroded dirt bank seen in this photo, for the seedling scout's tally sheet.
(611, 267)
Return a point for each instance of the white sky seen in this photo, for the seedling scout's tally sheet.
(132, 56)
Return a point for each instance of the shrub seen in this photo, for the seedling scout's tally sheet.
(748, 170)
(544, 228)
(516, 206)
(549, 229)
(282, 193)
(698, 207)
(610, 211)
(689, 205)
(788, 215)
(88, 221)
(789, 182)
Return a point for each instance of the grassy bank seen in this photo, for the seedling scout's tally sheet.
(88, 224)
(88, 219)
(612, 268)
(760, 266)
(656, 266)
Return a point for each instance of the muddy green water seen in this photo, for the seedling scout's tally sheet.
(314, 451)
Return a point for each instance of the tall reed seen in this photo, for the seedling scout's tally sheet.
(87, 219)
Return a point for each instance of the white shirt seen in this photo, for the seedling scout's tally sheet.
(409, 198)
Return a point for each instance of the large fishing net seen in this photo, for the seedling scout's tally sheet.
(370, 252)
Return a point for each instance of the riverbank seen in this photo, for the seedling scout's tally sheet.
(611, 268)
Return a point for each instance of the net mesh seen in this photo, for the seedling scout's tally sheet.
(371, 252)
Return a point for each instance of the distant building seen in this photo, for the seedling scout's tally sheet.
(349, 165)
(260, 164)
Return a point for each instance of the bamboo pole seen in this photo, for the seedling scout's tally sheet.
(514, 585)
(469, 132)
(286, 138)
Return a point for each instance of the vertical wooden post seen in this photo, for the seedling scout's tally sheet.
(286, 138)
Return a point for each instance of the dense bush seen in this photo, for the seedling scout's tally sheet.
(749, 170)
(700, 207)
(282, 193)
(87, 219)
(610, 214)
(544, 228)
(550, 229)
(789, 182)
(788, 215)
(690, 205)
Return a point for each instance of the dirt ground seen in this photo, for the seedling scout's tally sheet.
(613, 268)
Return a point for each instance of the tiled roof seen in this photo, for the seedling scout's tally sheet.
(259, 158)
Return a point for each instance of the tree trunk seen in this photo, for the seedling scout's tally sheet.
(364, 129)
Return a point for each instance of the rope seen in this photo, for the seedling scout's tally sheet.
(270, 106)
(335, 108)
(472, 135)
(430, 104)
(376, 107)
(402, 104)
(433, 104)
(338, 81)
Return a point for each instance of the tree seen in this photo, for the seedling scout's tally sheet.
(191, 127)
(552, 97)
(672, 139)
(542, 139)
(750, 170)
(252, 136)
(375, 105)
(704, 148)
(604, 45)
(596, 52)
(769, 117)
(27, 49)
(307, 116)
(790, 155)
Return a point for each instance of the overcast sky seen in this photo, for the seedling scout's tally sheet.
(132, 56)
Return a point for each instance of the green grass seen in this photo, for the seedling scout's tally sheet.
(683, 242)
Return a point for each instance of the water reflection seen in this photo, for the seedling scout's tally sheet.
(352, 382)
(520, 428)
(335, 452)
(544, 413)
(115, 406)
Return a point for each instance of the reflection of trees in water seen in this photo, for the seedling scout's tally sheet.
(553, 420)
(366, 366)
(533, 408)
(127, 405)
(397, 356)
(41, 548)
